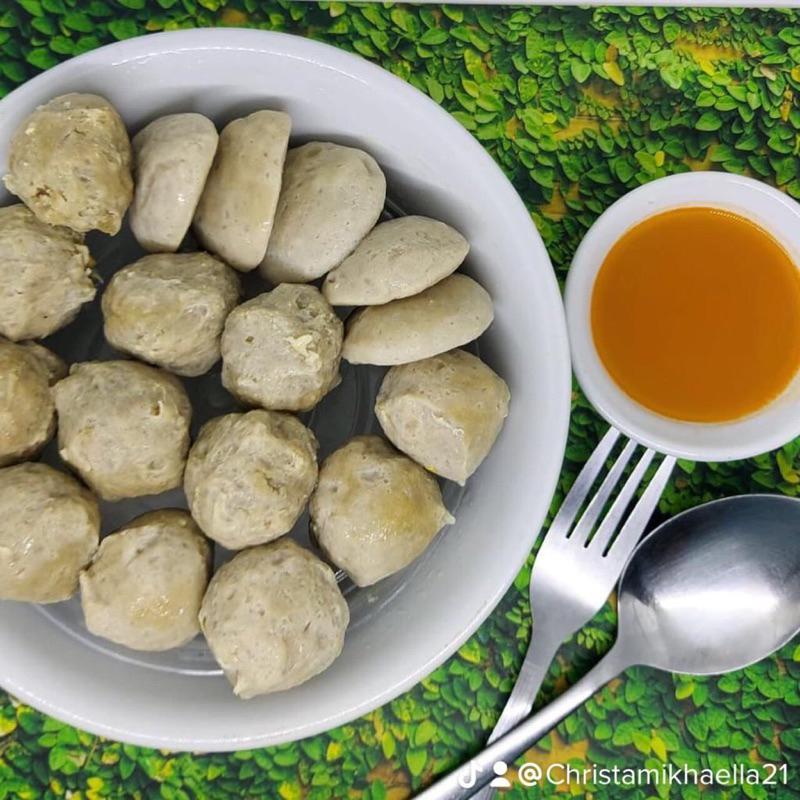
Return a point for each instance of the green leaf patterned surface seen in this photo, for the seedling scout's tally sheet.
(577, 106)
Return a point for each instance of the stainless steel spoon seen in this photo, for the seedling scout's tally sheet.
(711, 590)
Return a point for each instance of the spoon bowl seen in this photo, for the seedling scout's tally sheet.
(715, 588)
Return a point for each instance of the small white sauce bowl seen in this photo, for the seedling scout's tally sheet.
(765, 429)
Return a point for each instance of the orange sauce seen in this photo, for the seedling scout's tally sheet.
(695, 314)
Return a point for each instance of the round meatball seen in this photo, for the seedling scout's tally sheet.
(445, 412)
(398, 258)
(45, 276)
(281, 349)
(49, 530)
(27, 411)
(172, 157)
(449, 314)
(330, 198)
(124, 427)
(273, 617)
(249, 476)
(70, 163)
(169, 309)
(374, 510)
(144, 586)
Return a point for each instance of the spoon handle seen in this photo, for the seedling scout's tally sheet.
(464, 781)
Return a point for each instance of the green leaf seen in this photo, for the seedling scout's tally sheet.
(603, 731)
(44, 25)
(623, 735)
(641, 741)
(721, 152)
(433, 36)
(57, 758)
(97, 8)
(33, 7)
(580, 70)
(126, 768)
(41, 58)
(634, 690)
(388, 745)
(416, 761)
(670, 739)
(791, 738)
(672, 76)
(78, 22)
(725, 104)
(123, 28)
(13, 70)
(748, 141)
(705, 99)
(675, 148)
(709, 121)
(622, 169)
(700, 693)
(738, 92)
(671, 30)
(286, 758)
(543, 176)
(778, 145)
(785, 171)
(697, 725)
(426, 731)
(659, 747)
(684, 690)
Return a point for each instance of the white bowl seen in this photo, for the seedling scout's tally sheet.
(769, 427)
(401, 629)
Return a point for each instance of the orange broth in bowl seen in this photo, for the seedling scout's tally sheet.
(695, 314)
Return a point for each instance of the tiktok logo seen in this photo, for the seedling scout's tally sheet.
(468, 776)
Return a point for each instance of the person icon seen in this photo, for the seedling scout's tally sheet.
(500, 781)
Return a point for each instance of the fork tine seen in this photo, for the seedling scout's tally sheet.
(609, 525)
(580, 489)
(634, 526)
(592, 513)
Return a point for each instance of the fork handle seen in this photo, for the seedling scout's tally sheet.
(542, 649)
(462, 782)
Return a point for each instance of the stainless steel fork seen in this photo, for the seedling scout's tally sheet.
(574, 571)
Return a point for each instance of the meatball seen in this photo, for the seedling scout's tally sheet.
(449, 314)
(330, 199)
(281, 349)
(70, 163)
(49, 530)
(249, 476)
(398, 258)
(374, 510)
(445, 412)
(44, 275)
(169, 309)
(171, 159)
(144, 586)
(273, 617)
(124, 427)
(235, 215)
(27, 411)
